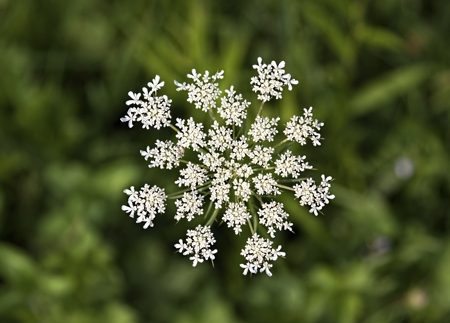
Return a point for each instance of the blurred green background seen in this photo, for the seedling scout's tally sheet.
(376, 72)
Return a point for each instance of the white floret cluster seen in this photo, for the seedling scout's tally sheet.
(258, 252)
(145, 203)
(232, 167)
(153, 111)
(198, 243)
(270, 80)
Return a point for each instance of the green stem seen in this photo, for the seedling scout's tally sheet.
(213, 217)
(175, 195)
(211, 114)
(262, 169)
(250, 226)
(199, 189)
(280, 143)
(260, 108)
(255, 219)
(293, 180)
(258, 198)
(174, 128)
(285, 187)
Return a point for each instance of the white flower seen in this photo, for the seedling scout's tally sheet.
(191, 134)
(219, 193)
(301, 128)
(233, 109)
(155, 85)
(130, 117)
(153, 112)
(263, 129)
(244, 170)
(240, 148)
(314, 196)
(222, 174)
(272, 216)
(189, 205)
(265, 184)
(233, 167)
(270, 80)
(165, 155)
(180, 246)
(221, 137)
(247, 267)
(258, 252)
(211, 160)
(261, 155)
(192, 176)
(198, 243)
(287, 164)
(242, 189)
(278, 69)
(133, 194)
(156, 113)
(289, 81)
(202, 93)
(209, 254)
(146, 203)
(134, 98)
(130, 208)
(236, 216)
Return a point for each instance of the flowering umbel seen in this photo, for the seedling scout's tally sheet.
(235, 170)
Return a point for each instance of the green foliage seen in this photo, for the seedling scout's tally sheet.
(376, 72)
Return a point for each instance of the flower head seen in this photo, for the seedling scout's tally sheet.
(236, 216)
(191, 134)
(198, 244)
(263, 129)
(314, 196)
(203, 93)
(288, 164)
(270, 80)
(189, 205)
(301, 128)
(165, 155)
(233, 109)
(258, 252)
(235, 170)
(272, 216)
(153, 111)
(146, 203)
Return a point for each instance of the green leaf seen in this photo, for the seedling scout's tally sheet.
(389, 87)
(379, 38)
(335, 37)
(369, 212)
(15, 265)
